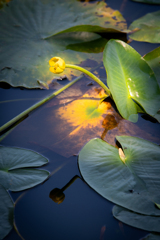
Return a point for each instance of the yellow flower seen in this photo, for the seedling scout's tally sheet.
(57, 65)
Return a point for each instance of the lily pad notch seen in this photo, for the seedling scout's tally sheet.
(17, 168)
(17, 173)
(33, 31)
(133, 183)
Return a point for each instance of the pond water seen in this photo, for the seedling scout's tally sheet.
(83, 214)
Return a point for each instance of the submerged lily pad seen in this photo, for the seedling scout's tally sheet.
(148, 1)
(130, 80)
(146, 28)
(33, 31)
(145, 222)
(133, 182)
(6, 212)
(86, 112)
(16, 168)
(153, 59)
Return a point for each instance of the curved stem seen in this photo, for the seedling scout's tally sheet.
(16, 229)
(27, 111)
(96, 79)
(38, 104)
(70, 183)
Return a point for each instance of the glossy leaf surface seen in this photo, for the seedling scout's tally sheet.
(133, 183)
(33, 31)
(16, 168)
(145, 222)
(153, 59)
(130, 80)
(146, 28)
(6, 212)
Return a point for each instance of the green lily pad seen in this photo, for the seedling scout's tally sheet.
(94, 46)
(157, 116)
(130, 80)
(152, 236)
(145, 222)
(131, 181)
(16, 168)
(6, 212)
(153, 59)
(148, 1)
(146, 28)
(33, 31)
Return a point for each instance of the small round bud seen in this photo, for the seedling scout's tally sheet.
(57, 195)
(57, 65)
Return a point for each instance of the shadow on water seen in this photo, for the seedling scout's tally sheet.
(82, 215)
(58, 130)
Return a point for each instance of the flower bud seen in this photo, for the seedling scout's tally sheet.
(57, 65)
(57, 195)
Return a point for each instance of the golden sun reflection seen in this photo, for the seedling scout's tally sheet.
(74, 117)
(86, 112)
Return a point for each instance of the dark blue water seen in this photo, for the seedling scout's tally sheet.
(83, 214)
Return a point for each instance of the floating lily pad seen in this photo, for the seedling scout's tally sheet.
(148, 1)
(157, 116)
(145, 222)
(6, 212)
(153, 59)
(16, 168)
(32, 31)
(130, 80)
(133, 182)
(146, 28)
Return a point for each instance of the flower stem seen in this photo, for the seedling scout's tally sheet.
(96, 79)
(16, 229)
(38, 104)
(70, 183)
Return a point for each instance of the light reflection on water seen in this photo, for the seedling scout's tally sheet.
(69, 126)
(83, 214)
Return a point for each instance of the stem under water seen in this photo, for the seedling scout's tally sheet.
(38, 104)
